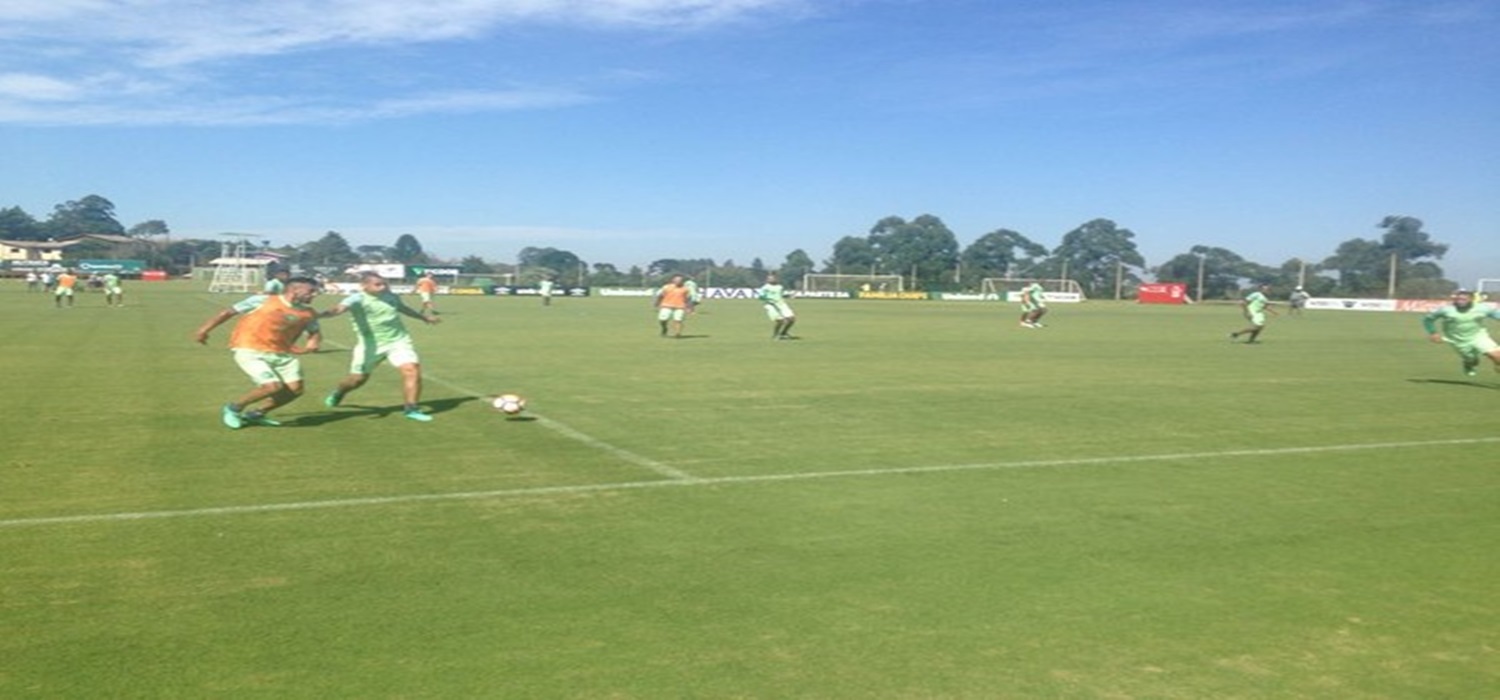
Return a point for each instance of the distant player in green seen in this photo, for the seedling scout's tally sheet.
(1255, 306)
(276, 281)
(773, 296)
(376, 312)
(1463, 327)
(1033, 305)
(695, 297)
(114, 294)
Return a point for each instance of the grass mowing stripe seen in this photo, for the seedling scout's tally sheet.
(717, 481)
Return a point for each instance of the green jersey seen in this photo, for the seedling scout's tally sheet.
(377, 317)
(274, 286)
(771, 293)
(1033, 296)
(1460, 327)
(1256, 302)
(111, 281)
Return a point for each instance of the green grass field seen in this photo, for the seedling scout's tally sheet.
(915, 500)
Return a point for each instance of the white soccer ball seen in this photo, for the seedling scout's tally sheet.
(509, 404)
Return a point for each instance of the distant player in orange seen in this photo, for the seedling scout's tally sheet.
(426, 287)
(66, 281)
(672, 302)
(262, 344)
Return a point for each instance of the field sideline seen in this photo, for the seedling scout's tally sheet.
(916, 499)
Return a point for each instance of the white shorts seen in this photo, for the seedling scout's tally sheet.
(778, 311)
(269, 367)
(670, 314)
(399, 353)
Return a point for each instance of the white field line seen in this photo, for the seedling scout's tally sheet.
(727, 480)
(574, 434)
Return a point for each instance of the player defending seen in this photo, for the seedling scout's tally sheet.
(1255, 306)
(1297, 301)
(376, 312)
(773, 295)
(426, 287)
(276, 282)
(262, 344)
(1463, 328)
(1033, 305)
(671, 302)
(114, 294)
(65, 283)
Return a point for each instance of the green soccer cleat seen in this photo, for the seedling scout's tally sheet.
(333, 398)
(258, 418)
(418, 416)
(231, 417)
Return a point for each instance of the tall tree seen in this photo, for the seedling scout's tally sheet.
(149, 229)
(796, 266)
(1224, 271)
(1092, 254)
(550, 261)
(331, 249)
(852, 255)
(923, 247)
(17, 225)
(474, 265)
(1000, 252)
(408, 250)
(91, 214)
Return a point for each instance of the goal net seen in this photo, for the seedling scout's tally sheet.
(1002, 287)
(1487, 289)
(818, 282)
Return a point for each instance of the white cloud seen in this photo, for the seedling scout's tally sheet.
(197, 62)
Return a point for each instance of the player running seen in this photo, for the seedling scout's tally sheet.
(1463, 328)
(773, 296)
(426, 287)
(1255, 306)
(262, 344)
(63, 289)
(376, 312)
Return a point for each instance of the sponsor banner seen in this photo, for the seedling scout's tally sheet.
(906, 296)
(419, 270)
(831, 294)
(126, 267)
(1162, 293)
(35, 265)
(390, 271)
(626, 292)
(728, 293)
(961, 296)
(468, 291)
(511, 290)
(1061, 297)
(1352, 304)
(1421, 305)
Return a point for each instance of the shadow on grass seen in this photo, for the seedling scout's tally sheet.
(1471, 383)
(349, 411)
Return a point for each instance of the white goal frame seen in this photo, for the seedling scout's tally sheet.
(831, 282)
(1487, 287)
(998, 287)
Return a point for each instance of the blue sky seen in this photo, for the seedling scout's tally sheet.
(632, 130)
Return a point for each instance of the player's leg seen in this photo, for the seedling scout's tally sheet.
(362, 361)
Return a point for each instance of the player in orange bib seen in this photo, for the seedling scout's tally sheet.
(262, 343)
(672, 302)
(426, 287)
(66, 281)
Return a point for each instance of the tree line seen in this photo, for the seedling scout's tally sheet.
(1099, 255)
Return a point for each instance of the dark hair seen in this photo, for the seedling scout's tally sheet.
(305, 280)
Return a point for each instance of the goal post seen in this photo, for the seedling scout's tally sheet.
(1487, 288)
(1001, 287)
(821, 282)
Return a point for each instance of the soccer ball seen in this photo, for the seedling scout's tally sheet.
(509, 404)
